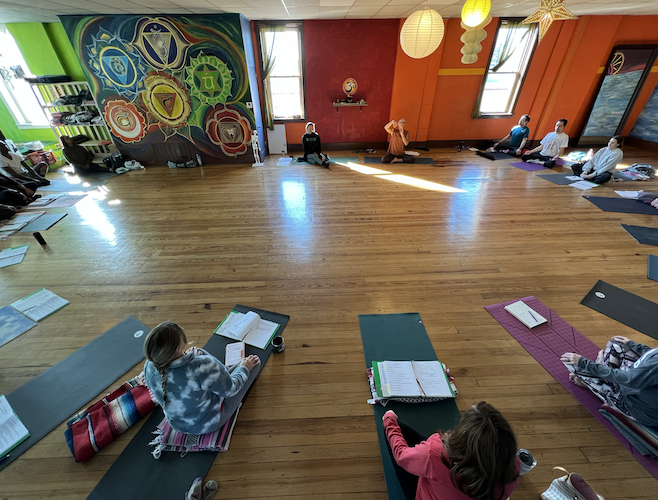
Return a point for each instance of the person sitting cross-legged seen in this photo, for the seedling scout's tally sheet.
(513, 143)
(550, 148)
(80, 158)
(600, 167)
(398, 139)
(13, 165)
(313, 147)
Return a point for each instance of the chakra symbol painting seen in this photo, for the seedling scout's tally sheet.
(125, 120)
(160, 43)
(166, 98)
(209, 79)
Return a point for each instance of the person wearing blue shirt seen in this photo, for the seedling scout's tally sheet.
(513, 142)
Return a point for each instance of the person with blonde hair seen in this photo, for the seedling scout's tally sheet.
(313, 147)
(197, 393)
(476, 460)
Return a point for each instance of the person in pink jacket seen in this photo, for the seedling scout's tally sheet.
(476, 460)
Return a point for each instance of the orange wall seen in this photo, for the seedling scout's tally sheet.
(436, 95)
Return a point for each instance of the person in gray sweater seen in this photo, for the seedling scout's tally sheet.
(197, 393)
(624, 376)
(600, 167)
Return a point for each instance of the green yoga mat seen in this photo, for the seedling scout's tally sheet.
(400, 337)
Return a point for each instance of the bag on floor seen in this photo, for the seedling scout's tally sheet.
(183, 162)
(570, 487)
(115, 160)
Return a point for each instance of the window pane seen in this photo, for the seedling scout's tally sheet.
(285, 51)
(497, 91)
(511, 42)
(286, 97)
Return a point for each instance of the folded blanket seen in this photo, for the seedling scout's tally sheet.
(98, 425)
(169, 439)
(643, 438)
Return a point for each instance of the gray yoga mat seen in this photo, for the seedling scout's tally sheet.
(376, 160)
(643, 235)
(62, 186)
(622, 205)
(401, 337)
(652, 267)
(627, 308)
(560, 179)
(495, 155)
(136, 475)
(53, 396)
(46, 221)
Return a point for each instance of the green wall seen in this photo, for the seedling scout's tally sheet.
(47, 51)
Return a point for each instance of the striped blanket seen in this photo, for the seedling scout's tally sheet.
(169, 439)
(98, 425)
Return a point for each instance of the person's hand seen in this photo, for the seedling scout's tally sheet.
(250, 362)
(654, 203)
(570, 358)
(390, 414)
(519, 151)
(620, 338)
(583, 175)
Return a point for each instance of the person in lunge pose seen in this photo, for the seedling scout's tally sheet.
(313, 147)
(550, 148)
(624, 376)
(397, 140)
(476, 460)
(513, 142)
(599, 168)
(195, 390)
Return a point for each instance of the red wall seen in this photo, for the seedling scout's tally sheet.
(336, 50)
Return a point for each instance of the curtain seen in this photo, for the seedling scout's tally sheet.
(269, 60)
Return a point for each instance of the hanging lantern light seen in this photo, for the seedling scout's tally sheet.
(422, 33)
(475, 11)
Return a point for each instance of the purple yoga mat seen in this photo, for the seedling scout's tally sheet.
(546, 343)
(528, 167)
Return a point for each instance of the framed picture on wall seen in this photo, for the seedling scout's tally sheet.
(623, 77)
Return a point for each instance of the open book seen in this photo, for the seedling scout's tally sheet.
(411, 379)
(260, 335)
(12, 430)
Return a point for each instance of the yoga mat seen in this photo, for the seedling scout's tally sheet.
(62, 186)
(652, 268)
(337, 159)
(136, 475)
(399, 337)
(622, 205)
(97, 176)
(643, 235)
(43, 223)
(374, 160)
(53, 396)
(560, 179)
(494, 155)
(625, 307)
(528, 167)
(13, 324)
(546, 343)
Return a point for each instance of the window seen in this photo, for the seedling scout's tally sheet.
(512, 51)
(282, 58)
(16, 92)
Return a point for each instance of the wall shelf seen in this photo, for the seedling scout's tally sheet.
(360, 104)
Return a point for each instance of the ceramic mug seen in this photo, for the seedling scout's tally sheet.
(278, 345)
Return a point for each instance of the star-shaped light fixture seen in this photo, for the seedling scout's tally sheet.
(549, 11)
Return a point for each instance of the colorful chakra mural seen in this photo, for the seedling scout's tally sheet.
(125, 120)
(228, 129)
(161, 43)
(166, 98)
(209, 79)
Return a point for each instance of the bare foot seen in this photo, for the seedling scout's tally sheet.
(577, 380)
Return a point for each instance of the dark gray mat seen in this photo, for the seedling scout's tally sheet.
(494, 155)
(136, 475)
(560, 179)
(627, 308)
(46, 221)
(53, 396)
(62, 186)
(97, 176)
(652, 267)
(400, 337)
(375, 160)
(622, 205)
(643, 235)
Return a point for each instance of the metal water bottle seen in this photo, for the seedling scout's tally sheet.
(198, 159)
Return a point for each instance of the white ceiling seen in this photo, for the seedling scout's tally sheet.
(13, 11)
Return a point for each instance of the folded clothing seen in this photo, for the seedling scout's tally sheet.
(98, 425)
(643, 437)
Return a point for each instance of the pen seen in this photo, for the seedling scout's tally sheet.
(533, 317)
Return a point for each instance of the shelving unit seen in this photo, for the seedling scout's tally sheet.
(100, 140)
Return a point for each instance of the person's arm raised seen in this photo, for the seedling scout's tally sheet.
(389, 127)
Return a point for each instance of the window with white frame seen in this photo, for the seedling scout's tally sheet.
(510, 58)
(281, 49)
(14, 90)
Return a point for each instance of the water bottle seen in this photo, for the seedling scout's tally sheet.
(198, 159)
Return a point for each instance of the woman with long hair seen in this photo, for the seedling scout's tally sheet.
(476, 460)
(195, 390)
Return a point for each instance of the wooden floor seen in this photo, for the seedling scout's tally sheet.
(325, 246)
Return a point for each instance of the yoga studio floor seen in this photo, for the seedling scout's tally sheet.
(324, 246)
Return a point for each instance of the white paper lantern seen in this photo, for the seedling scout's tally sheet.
(475, 12)
(422, 33)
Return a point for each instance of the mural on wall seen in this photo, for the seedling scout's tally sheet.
(623, 76)
(169, 78)
(646, 125)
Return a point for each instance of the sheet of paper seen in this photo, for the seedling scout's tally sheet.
(628, 194)
(283, 162)
(46, 200)
(432, 379)
(5, 410)
(400, 379)
(259, 337)
(63, 201)
(584, 185)
(572, 177)
(11, 261)
(12, 252)
(40, 304)
(12, 430)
